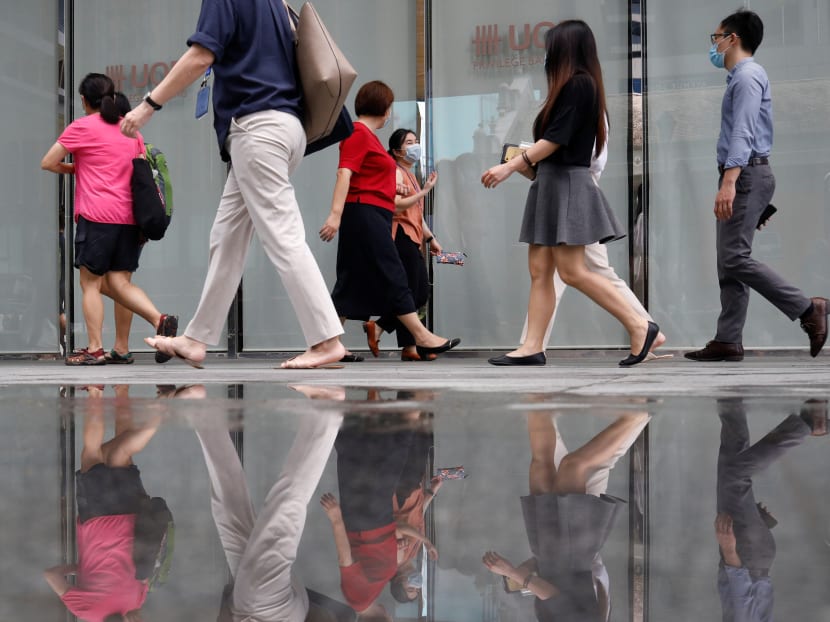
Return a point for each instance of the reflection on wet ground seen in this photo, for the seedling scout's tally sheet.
(274, 502)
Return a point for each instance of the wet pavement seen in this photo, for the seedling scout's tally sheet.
(672, 491)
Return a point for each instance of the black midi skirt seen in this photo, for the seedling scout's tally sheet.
(371, 279)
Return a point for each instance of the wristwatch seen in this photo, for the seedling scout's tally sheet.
(150, 102)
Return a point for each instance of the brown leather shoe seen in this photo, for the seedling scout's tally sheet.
(371, 338)
(814, 414)
(717, 351)
(815, 325)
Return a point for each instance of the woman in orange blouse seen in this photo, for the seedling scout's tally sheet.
(412, 236)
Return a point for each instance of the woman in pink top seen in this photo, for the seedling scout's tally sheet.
(107, 240)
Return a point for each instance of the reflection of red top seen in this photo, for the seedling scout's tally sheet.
(373, 170)
(375, 563)
(106, 582)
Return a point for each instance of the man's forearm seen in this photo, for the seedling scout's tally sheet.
(184, 72)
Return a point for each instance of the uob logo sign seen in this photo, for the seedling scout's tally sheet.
(525, 45)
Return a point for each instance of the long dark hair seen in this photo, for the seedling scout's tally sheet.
(99, 92)
(571, 48)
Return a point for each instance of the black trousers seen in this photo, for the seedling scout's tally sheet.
(418, 281)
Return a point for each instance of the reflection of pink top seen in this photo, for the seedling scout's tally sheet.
(106, 582)
(103, 159)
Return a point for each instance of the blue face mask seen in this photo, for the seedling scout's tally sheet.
(718, 59)
(413, 153)
(415, 580)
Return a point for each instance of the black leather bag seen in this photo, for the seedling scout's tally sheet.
(343, 128)
(148, 206)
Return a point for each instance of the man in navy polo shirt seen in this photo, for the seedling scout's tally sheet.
(257, 116)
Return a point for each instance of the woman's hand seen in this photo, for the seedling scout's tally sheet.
(430, 182)
(435, 248)
(498, 565)
(403, 189)
(493, 176)
(330, 228)
(332, 507)
(432, 552)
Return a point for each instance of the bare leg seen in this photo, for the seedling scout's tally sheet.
(570, 261)
(577, 467)
(93, 432)
(132, 297)
(542, 436)
(423, 337)
(542, 302)
(123, 320)
(93, 307)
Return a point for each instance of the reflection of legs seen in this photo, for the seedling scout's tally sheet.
(264, 583)
(230, 501)
(93, 433)
(597, 483)
(119, 450)
(594, 460)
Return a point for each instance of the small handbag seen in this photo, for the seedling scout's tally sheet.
(510, 151)
(325, 75)
(148, 206)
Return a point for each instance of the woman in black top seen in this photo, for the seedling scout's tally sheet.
(565, 210)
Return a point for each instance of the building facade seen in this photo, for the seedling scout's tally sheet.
(468, 77)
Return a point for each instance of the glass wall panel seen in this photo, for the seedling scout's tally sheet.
(136, 44)
(488, 84)
(29, 257)
(379, 39)
(684, 99)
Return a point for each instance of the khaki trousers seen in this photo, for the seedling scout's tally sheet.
(265, 147)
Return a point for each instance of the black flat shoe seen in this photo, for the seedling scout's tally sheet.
(531, 359)
(424, 351)
(651, 335)
(352, 358)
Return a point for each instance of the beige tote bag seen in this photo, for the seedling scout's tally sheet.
(325, 74)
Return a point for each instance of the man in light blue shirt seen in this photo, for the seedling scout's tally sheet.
(745, 188)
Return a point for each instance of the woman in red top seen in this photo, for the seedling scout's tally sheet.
(410, 233)
(370, 277)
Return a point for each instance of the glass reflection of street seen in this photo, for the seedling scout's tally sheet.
(322, 502)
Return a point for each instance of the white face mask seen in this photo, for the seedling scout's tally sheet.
(413, 153)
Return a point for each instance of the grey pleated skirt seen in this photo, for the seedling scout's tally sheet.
(565, 206)
(565, 532)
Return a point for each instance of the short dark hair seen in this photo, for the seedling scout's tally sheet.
(373, 99)
(397, 587)
(748, 26)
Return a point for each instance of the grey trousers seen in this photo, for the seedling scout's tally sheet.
(738, 271)
(738, 462)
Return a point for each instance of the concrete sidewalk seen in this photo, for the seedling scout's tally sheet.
(580, 373)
